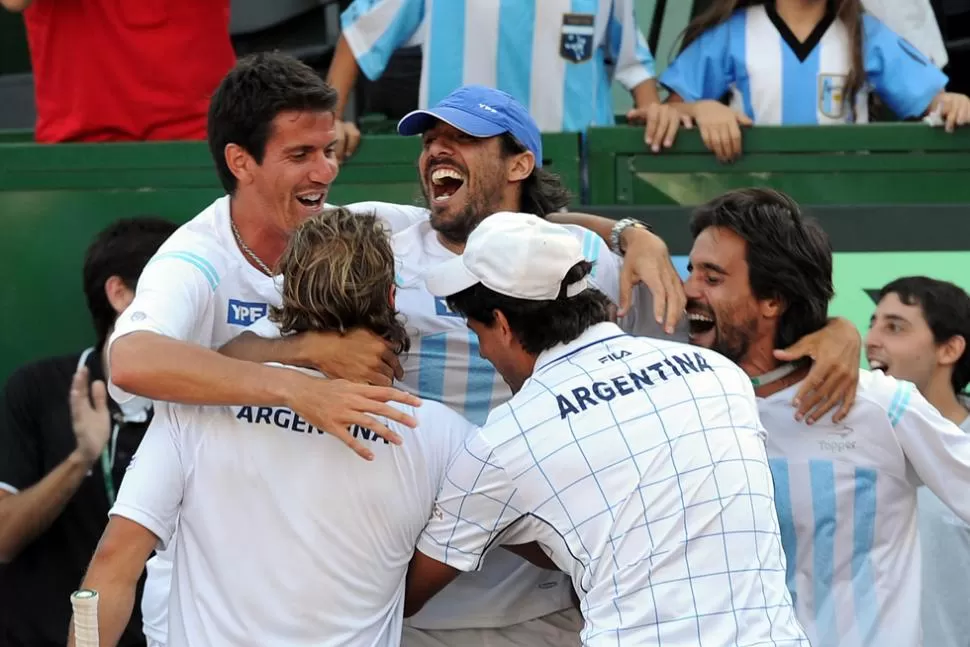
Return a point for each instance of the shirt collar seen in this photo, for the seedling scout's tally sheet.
(593, 335)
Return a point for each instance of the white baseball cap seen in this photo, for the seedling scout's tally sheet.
(516, 254)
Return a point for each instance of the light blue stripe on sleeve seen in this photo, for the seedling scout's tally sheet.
(433, 354)
(863, 531)
(481, 380)
(738, 59)
(591, 249)
(398, 30)
(446, 48)
(897, 407)
(200, 263)
(799, 91)
(822, 477)
(516, 32)
(786, 521)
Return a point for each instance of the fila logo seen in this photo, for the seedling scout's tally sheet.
(485, 106)
(244, 313)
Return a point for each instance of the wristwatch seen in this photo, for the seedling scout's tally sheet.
(617, 232)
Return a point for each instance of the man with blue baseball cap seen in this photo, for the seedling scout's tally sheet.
(480, 112)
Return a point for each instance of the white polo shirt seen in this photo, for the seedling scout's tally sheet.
(284, 536)
(847, 504)
(639, 467)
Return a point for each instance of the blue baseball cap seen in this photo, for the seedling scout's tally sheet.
(480, 112)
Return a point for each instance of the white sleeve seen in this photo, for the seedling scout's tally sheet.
(629, 49)
(374, 29)
(937, 450)
(476, 505)
(151, 490)
(174, 290)
(398, 217)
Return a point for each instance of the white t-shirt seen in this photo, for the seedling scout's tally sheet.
(284, 536)
(444, 365)
(846, 499)
(639, 467)
(200, 288)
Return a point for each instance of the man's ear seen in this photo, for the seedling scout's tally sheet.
(118, 294)
(520, 166)
(772, 307)
(950, 351)
(241, 164)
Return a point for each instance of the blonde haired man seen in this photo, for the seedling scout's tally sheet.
(327, 536)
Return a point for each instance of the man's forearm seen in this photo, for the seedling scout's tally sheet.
(162, 368)
(342, 75)
(25, 515)
(251, 347)
(645, 94)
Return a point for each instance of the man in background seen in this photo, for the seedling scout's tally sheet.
(64, 448)
(919, 332)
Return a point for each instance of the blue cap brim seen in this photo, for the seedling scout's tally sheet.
(419, 121)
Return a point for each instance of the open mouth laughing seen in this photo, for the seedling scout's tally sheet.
(445, 182)
(876, 364)
(312, 200)
(701, 327)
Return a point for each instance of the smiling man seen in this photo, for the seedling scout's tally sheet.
(919, 332)
(760, 277)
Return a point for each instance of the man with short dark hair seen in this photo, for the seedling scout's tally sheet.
(272, 142)
(919, 332)
(64, 448)
(635, 465)
(846, 492)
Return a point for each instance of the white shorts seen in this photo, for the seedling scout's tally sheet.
(559, 629)
(152, 643)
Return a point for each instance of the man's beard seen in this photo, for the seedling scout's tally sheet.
(733, 341)
(482, 202)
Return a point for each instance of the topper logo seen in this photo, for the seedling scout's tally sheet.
(243, 313)
(485, 106)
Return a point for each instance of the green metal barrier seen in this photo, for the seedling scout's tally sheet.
(54, 199)
(873, 164)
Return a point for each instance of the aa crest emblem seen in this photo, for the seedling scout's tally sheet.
(831, 95)
(576, 37)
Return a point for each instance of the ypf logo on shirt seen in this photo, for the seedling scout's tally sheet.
(245, 313)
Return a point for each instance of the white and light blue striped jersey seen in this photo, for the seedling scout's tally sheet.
(639, 467)
(846, 495)
(444, 363)
(945, 541)
(553, 56)
(776, 80)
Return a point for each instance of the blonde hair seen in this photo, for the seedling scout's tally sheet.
(338, 274)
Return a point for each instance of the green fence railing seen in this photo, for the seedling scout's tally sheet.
(872, 164)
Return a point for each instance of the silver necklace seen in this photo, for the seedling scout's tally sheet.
(252, 255)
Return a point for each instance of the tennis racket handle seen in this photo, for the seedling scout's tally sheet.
(85, 605)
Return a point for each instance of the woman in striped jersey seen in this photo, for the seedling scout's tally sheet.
(788, 62)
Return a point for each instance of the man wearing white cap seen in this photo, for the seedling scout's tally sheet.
(635, 465)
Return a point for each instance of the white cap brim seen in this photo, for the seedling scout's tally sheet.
(449, 277)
